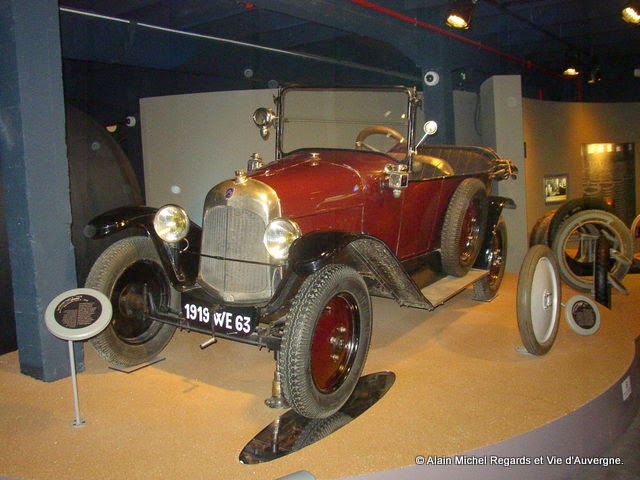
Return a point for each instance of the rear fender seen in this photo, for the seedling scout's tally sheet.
(496, 205)
(378, 265)
(180, 261)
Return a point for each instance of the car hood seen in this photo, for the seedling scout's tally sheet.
(315, 181)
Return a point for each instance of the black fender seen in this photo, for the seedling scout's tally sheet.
(496, 204)
(371, 257)
(180, 261)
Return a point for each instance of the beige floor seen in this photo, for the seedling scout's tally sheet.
(460, 385)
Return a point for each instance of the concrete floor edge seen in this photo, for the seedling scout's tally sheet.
(556, 450)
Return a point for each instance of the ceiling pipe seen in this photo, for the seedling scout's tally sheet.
(200, 36)
(460, 38)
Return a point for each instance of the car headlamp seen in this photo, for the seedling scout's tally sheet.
(171, 223)
(279, 236)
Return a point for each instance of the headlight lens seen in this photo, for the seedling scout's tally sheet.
(171, 223)
(279, 236)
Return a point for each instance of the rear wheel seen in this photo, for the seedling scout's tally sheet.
(129, 273)
(325, 341)
(463, 227)
(487, 287)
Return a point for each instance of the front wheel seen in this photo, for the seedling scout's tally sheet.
(129, 273)
(325, 341)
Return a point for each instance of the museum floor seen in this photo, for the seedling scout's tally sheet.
(461, 387)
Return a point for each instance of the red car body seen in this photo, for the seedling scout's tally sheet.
(289, 252)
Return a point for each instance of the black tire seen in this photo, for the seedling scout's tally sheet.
(121, 273)
(572, 207)
(538, 300)
(576, 262)
(325, 341)
(540, 231)
(487, 287)
(463, 228)
(601, 287)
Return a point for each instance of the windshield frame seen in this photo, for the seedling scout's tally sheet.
(413, 103)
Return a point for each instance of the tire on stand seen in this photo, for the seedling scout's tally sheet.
(572, 207)
(325, 341)
(538, 300)
(129, 273)
(463, 228)
(601, 287)
(574, 247)
(540, 231)
(487, 287)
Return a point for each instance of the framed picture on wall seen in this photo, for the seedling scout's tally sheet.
(555, 188)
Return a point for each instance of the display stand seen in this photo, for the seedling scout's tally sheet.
(77, 315)
(135, 368)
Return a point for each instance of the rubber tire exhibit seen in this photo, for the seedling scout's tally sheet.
(601, 287)
(295, 359)
(593, 219)
(573, 312)
(540, 231)
(487, 287)
(132, 256)
(458, 253)
(569, 209)
(538, 300)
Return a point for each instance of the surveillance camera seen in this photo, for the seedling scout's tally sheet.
(431, 78)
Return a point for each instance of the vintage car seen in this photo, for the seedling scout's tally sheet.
(290, 252)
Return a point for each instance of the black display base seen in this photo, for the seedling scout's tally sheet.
(135, 368)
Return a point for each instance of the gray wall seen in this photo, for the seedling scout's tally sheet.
(192, 142)
(554, 133)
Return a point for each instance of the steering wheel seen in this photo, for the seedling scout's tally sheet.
(379, 130)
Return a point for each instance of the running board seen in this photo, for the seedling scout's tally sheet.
(439, 292)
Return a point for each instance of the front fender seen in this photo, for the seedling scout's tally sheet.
(368, 255)
(180, 261)
(119, 219)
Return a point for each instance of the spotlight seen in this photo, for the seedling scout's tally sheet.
(571, 65)
(460, 12)
(631, 12)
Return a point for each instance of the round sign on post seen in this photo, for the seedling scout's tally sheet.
(76, 315)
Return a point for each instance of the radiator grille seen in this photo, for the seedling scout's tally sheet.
(235, 235)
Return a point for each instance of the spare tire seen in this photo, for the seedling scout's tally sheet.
(464, 226)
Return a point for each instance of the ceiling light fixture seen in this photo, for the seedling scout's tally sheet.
(631, 12)
(571, 64)
(460, 13)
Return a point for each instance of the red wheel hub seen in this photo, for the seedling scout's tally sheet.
(470, 231)
(335, 343)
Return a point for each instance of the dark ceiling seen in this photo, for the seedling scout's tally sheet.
(217, 44)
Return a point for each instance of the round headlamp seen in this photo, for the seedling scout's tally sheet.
(171, 223)
(279, 236)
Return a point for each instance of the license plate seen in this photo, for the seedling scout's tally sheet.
(240, 321)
